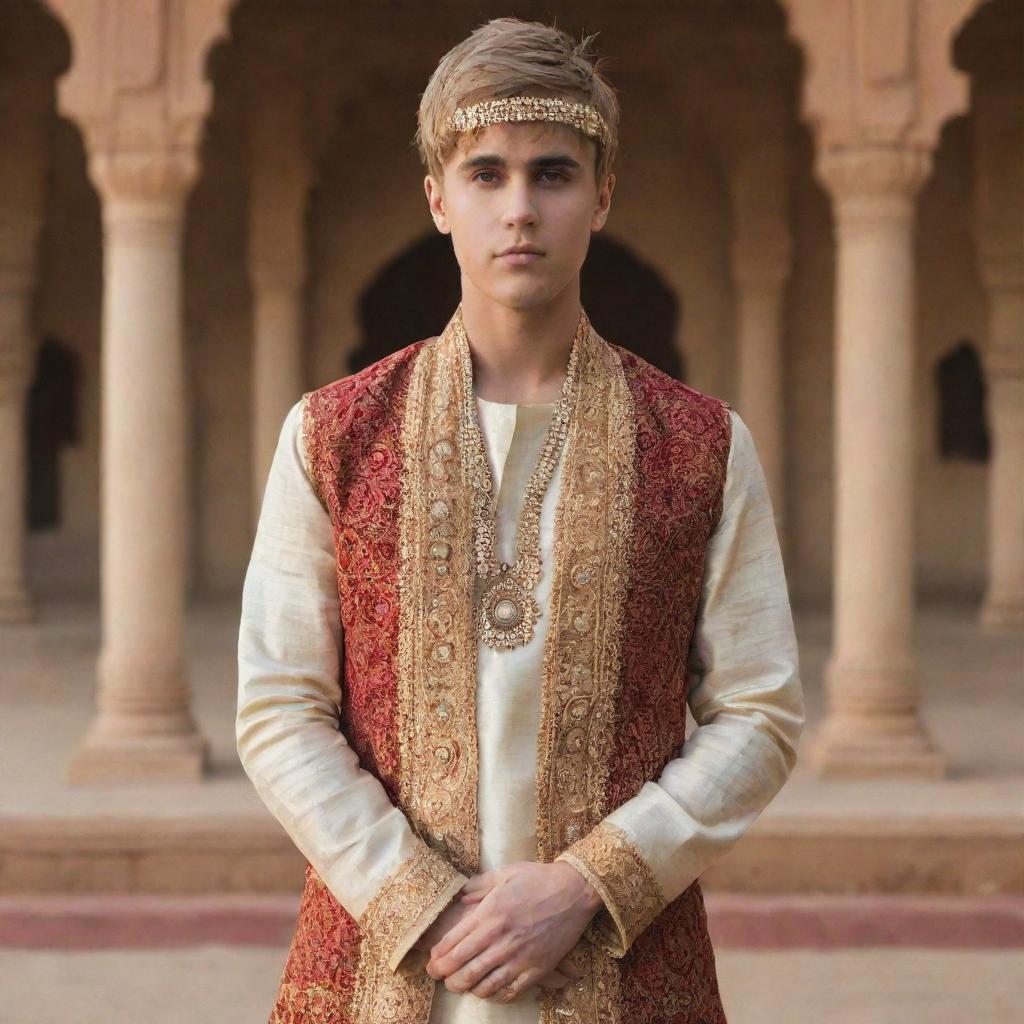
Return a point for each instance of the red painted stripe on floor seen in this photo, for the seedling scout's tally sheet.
(739, 921)
(145, 922)
(736, 921)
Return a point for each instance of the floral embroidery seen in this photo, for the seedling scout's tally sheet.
(682, 450)
(422, 885)
(310, 438)
(355, 455)
(436, 645)
(593, 527)
(319, 975)
(642, 494)
(414, 890)
(632, 895)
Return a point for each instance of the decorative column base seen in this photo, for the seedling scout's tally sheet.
(841, 749)
(878, 732)
(144, 729)
(118, 759)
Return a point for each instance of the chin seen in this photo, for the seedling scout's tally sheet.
(528, 294)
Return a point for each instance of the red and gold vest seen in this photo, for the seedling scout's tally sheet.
(640, 495)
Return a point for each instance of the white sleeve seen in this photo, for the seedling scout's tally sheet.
(747, 700)
(287, 727)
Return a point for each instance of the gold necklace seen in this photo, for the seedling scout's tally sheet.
(507, 611)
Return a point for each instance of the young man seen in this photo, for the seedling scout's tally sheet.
(491, 571)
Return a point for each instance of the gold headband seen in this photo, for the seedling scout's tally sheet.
(530, 108)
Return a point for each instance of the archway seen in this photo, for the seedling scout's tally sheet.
(414, 294)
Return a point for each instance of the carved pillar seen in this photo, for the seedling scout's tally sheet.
(1003, 607)
(998, 109)
(280, 175)
(873, 722)
(136, 87)
(761, 265)
(751, 121)
(25, 119)
(879, 85)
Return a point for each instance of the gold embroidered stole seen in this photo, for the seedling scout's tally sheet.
(437, 650)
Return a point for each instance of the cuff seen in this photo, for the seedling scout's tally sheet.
(407, 904)
(615, 867)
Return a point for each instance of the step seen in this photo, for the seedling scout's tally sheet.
(814, 854)
(735, 921)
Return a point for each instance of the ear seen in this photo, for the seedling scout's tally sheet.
(435, 200)
(604, 202)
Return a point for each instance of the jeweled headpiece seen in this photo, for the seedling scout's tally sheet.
(583, 116)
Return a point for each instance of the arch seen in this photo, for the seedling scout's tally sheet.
(412, 296)
(961, 423)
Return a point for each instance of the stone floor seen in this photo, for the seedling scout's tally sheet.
(972, 703)
(236, 985)
(972, 699)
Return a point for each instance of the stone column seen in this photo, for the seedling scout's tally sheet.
(760, 274)
(279, 181)
(998, 110)
(753, 123)
(136, 87)
(879, 85)
(873, 723)
(16, 353)
(144, 723)
(1003, 607)
(25, 118)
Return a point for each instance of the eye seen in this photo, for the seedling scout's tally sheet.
(479, 173)
(559, 176)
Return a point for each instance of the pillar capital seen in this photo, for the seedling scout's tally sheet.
(873, 178)
(143, 185)
(138, 90)
(879, 72)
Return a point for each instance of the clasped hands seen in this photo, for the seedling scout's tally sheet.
(516, 923)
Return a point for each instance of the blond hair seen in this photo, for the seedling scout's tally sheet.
(509, 57)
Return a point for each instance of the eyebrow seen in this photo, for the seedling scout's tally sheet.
(494, 160)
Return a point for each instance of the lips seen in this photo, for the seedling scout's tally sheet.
(516, 258)
(517, 250)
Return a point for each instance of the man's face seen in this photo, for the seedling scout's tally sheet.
(524, 183)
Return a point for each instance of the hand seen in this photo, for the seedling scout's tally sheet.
(568, 969)
(526, 917)
(444, 922)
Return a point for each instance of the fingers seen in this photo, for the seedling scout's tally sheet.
(473, 897)
(524, 981)
(468, 960)
(489, 967)
(478, 883)
(452, 938)
(495, 983)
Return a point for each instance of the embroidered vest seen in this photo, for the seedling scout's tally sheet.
(640, 495)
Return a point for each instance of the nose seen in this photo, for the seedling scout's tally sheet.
(519, 208)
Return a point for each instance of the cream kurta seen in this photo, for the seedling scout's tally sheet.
(745, 693)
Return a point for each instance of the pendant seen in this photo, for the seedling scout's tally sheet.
(507, 614)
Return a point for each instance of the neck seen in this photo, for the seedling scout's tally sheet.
(520, 355)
